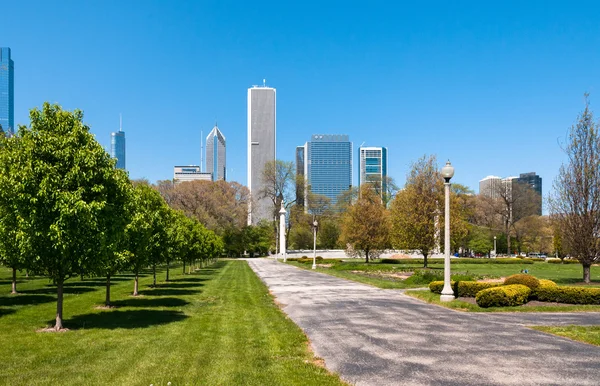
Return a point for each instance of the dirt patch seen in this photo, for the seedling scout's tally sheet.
(52, 329)
(400, 256)
(317, 361)
(395, 275)
(104, 307)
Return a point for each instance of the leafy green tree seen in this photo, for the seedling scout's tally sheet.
(63, 189)
(144, 231)
(366, 226)
(481, 241)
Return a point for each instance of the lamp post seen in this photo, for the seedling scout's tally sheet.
(447, 293)
(282, 249)
(495, 253)
(315, 226)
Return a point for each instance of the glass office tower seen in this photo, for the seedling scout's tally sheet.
(7, 91)
(261, 148)
(117, 147)
(215, 154)
(373, 166)
(328, 165)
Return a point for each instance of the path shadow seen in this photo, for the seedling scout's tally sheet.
(66, 290)
(168, 292)
(124, 319)
(147, 302)
(6, 311)
(23, 299)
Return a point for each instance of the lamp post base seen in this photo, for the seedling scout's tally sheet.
(446, 298)
(314, 266)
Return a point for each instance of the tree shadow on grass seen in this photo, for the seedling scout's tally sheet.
(188, 279)
(24, 300)
(66, 290)
(150, 302)
(6, 311)
(578, 281)
(123, 319)
(168, 292)
(179, 285)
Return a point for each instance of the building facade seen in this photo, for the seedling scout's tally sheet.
(215, 154)
(7, 91)
(373, 167)
(117, 148)
(490, 186)
(190, 173)
(535, 183)
(261, 147)
(300, 175)
(328, 165)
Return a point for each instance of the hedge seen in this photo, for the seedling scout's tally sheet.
(469, 289)
(558, 261)
(522, 278)
(543, 284)
(502, 296)
(569, 295)
(437, 286)
(459, 260)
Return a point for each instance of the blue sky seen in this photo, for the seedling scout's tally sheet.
(493, 86)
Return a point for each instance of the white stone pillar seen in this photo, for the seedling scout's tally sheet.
(282, 245)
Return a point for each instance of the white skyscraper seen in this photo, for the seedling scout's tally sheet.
(261, 147)
(490, 186)
(215, 154)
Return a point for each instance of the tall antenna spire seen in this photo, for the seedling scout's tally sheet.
(120, 122)
(201, 151)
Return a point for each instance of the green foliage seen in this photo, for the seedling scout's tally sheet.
(437, 286)
(563, 261)
(507, 295)
(569, 295)
(522, 278)
(457, 261)
(469, 289)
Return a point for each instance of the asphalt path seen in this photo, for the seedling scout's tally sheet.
(372, 336)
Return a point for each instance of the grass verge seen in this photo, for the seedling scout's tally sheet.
(586, 334)
(459, 305)
(216, 326)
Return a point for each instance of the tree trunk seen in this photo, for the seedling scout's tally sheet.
(506, 227)
(135, 286)
(14, 281)
(107, 302)
(425, 254)
(167, 270)
(367, 255)
(154, 275)
(59, 305)
(586, 273)
(184, 267)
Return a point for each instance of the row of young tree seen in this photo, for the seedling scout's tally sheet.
(66, 211)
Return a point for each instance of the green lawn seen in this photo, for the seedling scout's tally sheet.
(586, 334)
(218, 326)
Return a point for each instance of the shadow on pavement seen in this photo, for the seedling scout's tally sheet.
(123, 319)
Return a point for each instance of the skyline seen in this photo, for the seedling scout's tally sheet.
(492, 88)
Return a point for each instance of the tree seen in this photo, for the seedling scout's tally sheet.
(144, 231)
(414, 209)
(62, 187)
(366, 226)
(575, 201)
(480, 241)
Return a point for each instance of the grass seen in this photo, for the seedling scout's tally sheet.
(459, 305)
(586, 334)
(216, 326)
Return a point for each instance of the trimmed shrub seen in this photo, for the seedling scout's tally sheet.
(569, 295)
(503, 296)
(565, 261)
(543, 284)
(437, 286)
(469, 289)
(454, 260)
(522, 278)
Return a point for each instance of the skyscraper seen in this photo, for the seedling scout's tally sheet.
(7, 91)
(535, 183)
(261, 147)
(117, 146)
(215, 154)
(490, 186)
(300, 175)
(373, 167)
(328, 165)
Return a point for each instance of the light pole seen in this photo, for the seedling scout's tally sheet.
(282, 248)
(495, 253)
(447, 293)
(315, 226)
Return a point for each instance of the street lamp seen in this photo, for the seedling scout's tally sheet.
(447, 293)
(282, 246)
(495, 253)
(315, 225)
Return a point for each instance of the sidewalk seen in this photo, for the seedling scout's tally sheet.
(372, 336)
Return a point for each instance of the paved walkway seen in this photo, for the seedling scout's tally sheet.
(372, 336)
